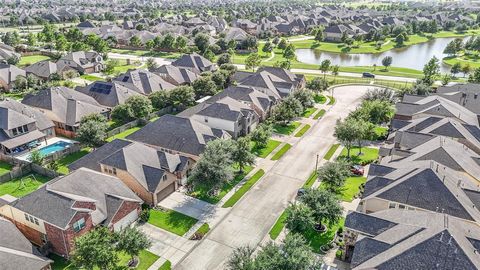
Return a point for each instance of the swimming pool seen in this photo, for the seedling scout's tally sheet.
(54, 147)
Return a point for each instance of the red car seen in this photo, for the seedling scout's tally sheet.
(357, 170)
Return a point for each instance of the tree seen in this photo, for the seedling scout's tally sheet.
(333, 174)
(182, 96)
(421, 88)
(347, 132)
(289, 52)
(95, 249)
(36, 157)
(456, 68)
(11, 38)
(286, 110)
(375, 111)
(61, 43)
(242, 154)
(446, 79)
(319, 36)
(131, 241)
(31, 39)
(261, 135)
(168, 41)
(430, 70)
(387, 61)
(141, 106)
(267, 48)
(151, 64)
(452, 48)
(122, 113)
(252, 61)
(383, 94)
(110, 66)
(305, 96)
(181, 43)
(225, 58)
(93, 130)
(299, 217)
(400, 40)
(466, 69)
(242, 259)
(318, 84)
(13, 60)
(282, 44)
(324, 205)
(324, 67)
(204, 86)
(335, 70)
(475, 76)
(160, 99)
(135, 41)
(202, 41)
(214, 167)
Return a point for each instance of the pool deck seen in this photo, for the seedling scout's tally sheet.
(25, 155)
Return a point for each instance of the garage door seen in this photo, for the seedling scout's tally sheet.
(126, 221)
(165, 192)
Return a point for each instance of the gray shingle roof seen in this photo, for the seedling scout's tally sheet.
(92, 160)
(367, 224)
(367, 248)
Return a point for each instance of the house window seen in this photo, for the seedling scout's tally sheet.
(392, 205)
(31, 219)
(44, 238)
(114, 171)
(206, 120)
(401, 206)
(164, 177)
(80, 224)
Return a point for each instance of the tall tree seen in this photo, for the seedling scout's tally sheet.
(430, 70)
(141, 106)
(289, 52)
(261, 135)
(182, 96)
(252, 61)
(242, 154)
(347, 132)
(93, 130)
(131, 241)
(333, 175)
(299, 217)
(456, 68)
(324, 205)
(95, 249)
(387, 61)
(325, 67)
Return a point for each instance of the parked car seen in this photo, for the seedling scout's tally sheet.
(300, 192)
(368, 75)
(357, 170)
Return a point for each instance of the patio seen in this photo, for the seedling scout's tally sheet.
(26, 154)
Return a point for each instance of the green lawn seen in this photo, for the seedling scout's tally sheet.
(22, 186)
(471, 59)
(379, 70)
(265, 151)
(91, 78)
(380, 132)
(316, 239)
(242, 190)
(124, 134)
(145, 53)
(31, 59)
(282, 151)
(17, 95)
(5, 168)
(311, 180)
(352, 187)
(319, 99)
(308, 112)
(331, 101)
(171, 221)
(285, 129)
(368, 155)
(278, 226)
(146, 259)
(302, 131)
(319, 114)
(331, 151)
(202, 193)
(166, 266)
(69, 159)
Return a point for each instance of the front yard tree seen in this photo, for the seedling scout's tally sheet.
(324, 205)
(299, 217)
(325, 67)
(95, 249)
(287, 109)
(305, 96)
(318, 84)
(261, 135)
(387, 61)
(93, 130)
(215, 165)
(131, 241)
(333, 175)
(347, 132)
(242, 259)
(252, 61)
(242, 154)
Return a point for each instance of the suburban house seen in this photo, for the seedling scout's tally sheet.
(176, 75)
(7, 52)
(466, 95)
(178, 135)
(144, 81)
(8, 75)
(72, 205)
(22, 127)
(246, 25)
(195, 63)
(44, 70)
(108, 94)
(402, 239)
(83, 62)
(336, 32)
(228, 114)
(16, 252)
(65, 107)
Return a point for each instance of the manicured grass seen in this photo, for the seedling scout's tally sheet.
(380, 132)
(285, 129)
(204, 229)
(331, 101)
(31, 59)
(471, 59)
(171, 221)
(282, 151)
(352, 187)
(202, 193)
(278, 226)
(319, 114)
(242, 190)
(302, 131)
(391, 71)
(265, 151)
(17, 95)
(16, 188)
(124, 134)
(368, 155)
(92, 78)
(308, 112)
(331, 151)
(69, 159)
(316, 239)
(5, 167)
(319, 99)
(166, 266)
(311, 180)
(145, 53)
(124, 68)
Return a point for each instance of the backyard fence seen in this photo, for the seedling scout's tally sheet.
(389, 84)
(60, 154)
(22, 168)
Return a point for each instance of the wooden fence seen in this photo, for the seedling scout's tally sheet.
(23, 168)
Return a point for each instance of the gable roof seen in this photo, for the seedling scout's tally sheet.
(143, 81)
(109, 94)
(195, 62)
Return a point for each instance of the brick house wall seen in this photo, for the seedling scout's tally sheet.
(85, 205)
(31, 234)
(125, 209)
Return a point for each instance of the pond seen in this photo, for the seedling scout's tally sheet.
(415, 56)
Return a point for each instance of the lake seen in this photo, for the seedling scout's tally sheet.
(415, 56)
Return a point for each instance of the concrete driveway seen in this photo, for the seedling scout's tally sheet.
(252, 217)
